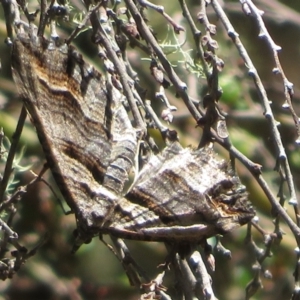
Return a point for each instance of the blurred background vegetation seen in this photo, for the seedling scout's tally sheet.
(93, 272)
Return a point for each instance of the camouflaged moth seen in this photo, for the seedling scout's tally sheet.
(180, 195)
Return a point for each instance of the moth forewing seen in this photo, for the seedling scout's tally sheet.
(68, 102)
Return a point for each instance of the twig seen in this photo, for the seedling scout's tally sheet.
(43, 18)
(131, 268)
(10, 8)
(205, 289)
(121, 70)
(181, 87)
(196, 35)
(76, 31)
(288, 91)
(288, 86)
(160, 9)
(154, 117)
(271, 120)
(12, 153)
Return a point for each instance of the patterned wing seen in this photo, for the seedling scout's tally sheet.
(86, 135)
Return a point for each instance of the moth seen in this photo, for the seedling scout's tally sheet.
(181, 195)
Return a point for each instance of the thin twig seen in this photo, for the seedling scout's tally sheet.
(204, 289)
(288, 86)
(12, 152)
(121, 70)
(160, 9)
(43, 18)
(79, 27)
(197, 43)
(271, 120)
(180, 86)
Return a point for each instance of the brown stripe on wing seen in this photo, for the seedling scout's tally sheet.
(66, 100)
